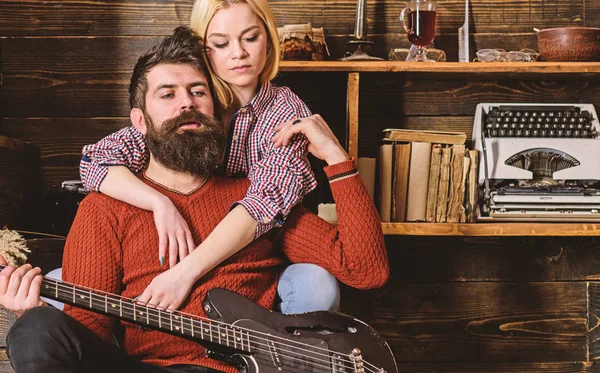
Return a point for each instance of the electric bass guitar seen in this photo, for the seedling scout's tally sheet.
(247, 336)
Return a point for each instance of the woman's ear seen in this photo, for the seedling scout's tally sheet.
(137, 119)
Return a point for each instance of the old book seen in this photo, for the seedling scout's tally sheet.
(462, 216)
(384, 172)
(401, 174)
(437, 137)
(456, 189)
(418, 178)
(472, 197)
(441, 206)
(434, 181)
(366, 171)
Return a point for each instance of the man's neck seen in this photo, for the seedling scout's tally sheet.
(182, 182)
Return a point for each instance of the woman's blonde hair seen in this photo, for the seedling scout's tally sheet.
(203, 12)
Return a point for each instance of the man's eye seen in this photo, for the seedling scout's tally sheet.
(198, 93)
(168, 95)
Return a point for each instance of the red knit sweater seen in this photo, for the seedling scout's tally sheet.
(112, 247)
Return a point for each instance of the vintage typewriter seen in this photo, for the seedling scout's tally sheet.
(538, 162)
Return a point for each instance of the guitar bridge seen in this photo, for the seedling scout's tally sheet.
(357, 360)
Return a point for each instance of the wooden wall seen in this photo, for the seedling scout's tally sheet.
(452, 304)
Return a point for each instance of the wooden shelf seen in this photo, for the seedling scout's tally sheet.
(444, 67)
(492, 229)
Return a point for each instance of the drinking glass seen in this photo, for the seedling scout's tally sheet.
(420, 26)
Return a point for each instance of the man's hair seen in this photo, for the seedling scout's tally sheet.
(182, 47)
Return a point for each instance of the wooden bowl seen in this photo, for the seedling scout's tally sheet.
(569, 44)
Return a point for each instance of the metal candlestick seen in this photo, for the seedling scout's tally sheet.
(360, 36)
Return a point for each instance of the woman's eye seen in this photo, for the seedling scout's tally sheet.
(252, 38)
(220, 46)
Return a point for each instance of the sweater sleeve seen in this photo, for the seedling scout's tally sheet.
(354, 251)
(125, 147)
(92, 258)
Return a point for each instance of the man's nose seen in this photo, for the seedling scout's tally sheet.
(187, 102)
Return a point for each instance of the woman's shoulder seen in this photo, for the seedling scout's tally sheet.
(284, 102)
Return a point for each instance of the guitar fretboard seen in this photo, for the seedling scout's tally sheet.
(171, 322)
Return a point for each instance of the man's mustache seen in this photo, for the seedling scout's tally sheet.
(186, 117)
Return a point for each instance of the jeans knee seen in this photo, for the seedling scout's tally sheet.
(307, 287)
(33, 328)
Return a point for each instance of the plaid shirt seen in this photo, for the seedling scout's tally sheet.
(279, 177)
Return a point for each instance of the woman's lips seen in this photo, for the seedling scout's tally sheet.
(241, 69)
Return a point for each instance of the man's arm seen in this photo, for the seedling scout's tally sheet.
(92, 258)
(354, 251)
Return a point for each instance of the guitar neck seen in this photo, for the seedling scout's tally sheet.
(202, 330)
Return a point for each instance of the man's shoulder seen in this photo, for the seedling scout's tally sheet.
(101, 202)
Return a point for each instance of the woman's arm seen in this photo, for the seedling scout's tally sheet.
(109, 166)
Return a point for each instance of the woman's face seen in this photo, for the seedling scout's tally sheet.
(237, 45)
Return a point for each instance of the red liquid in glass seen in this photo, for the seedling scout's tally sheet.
(421, 24)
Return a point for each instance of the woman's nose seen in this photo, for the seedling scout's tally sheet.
(238, 50)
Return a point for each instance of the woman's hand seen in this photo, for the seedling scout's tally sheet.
(20, 287)
(322, 142)
(169, 289)
(173, 232)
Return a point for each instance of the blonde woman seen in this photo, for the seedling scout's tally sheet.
(242, 53)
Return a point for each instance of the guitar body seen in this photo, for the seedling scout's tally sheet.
(311, 342)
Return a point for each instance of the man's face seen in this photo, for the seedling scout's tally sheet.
(181, 132)
(174, 88)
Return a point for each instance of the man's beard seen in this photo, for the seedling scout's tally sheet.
(197, 151)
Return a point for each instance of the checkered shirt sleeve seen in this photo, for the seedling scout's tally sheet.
(279, 177)
(125, 147)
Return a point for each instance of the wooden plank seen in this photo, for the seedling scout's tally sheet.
(92, 17)
(449, 96)
(592, 13)
(476, 322)
(60, 141)
(483, 367)
(471, 259)
(352, 113)
(7, 318)
(492, 229)
(521, 68)
(594, 320)
(338, 17)
(73, 77)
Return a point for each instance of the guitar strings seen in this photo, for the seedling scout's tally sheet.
(210, 323)
(130, 306)
(196, 319)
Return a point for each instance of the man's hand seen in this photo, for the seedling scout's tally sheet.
(173, 233)
(20, 287)
(322, 142)
(169, 289)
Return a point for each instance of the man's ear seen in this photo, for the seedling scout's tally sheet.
(137, 119)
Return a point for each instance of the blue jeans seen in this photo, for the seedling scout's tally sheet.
(307, 287)
(302, 288)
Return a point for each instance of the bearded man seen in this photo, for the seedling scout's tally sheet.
(111, 245)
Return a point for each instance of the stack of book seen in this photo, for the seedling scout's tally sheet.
(427, 176)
